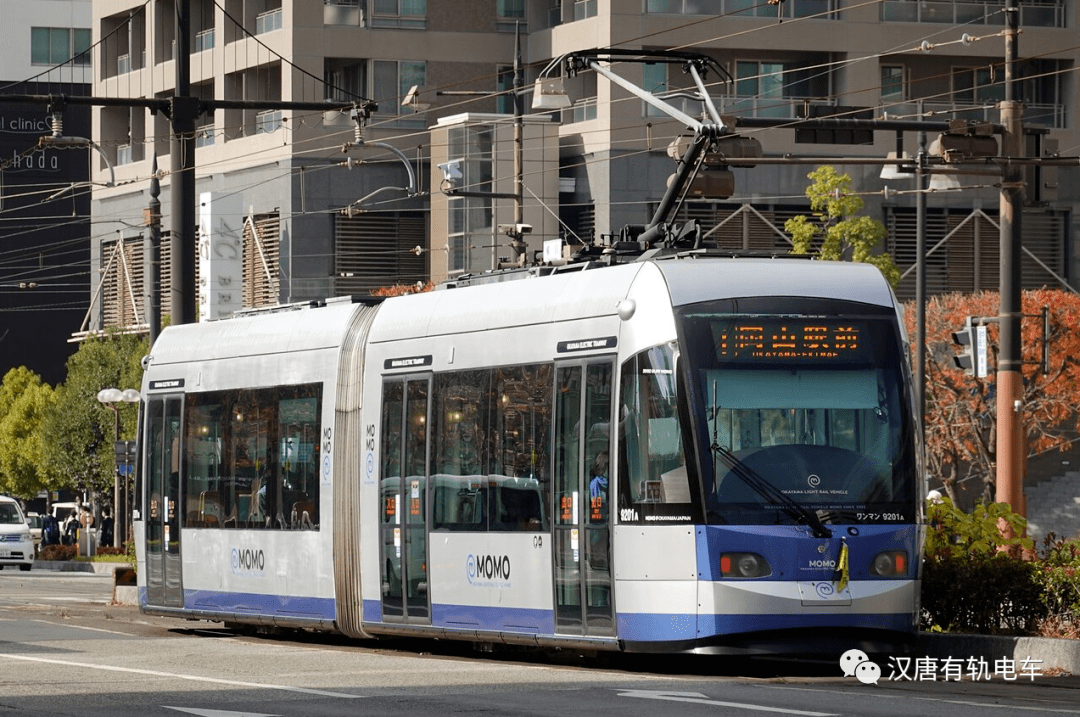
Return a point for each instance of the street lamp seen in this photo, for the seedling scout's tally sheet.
(113, 398)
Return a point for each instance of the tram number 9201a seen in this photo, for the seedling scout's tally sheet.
(882, 517)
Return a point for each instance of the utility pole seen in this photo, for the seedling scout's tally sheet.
(517, 239)
(920, 282)
(183, 110)
(1010, 380)
(152, 257)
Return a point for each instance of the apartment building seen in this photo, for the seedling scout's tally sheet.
(44, 202)
(316, 205)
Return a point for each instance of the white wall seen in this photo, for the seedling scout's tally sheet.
(18, 17)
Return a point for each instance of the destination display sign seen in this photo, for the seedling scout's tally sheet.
(790, 339)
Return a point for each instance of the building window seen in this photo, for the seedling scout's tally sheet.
(344, 79)
(509, 14)
(391, 80)
(399, 13)
(504, 100)
(584, 9)
(57, 45)
(554, 13)
(775, 89)
(976, 85)
(656, 79)
(892, 82)
(583, 87)
(470, 219)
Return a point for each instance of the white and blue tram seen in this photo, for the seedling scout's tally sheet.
(682, 454)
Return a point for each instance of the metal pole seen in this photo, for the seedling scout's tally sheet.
(920, 279)
(1009, 377)
(152, 258)
(184, 110)
(117, 490)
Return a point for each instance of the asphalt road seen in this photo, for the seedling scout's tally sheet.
(64, 650)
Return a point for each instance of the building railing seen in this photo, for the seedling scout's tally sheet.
(268, 21)
(124, 154)
(824, 9)
(776, 107)
(204, 40)
(267, 122)
(204, 135)
(973, 12)
(582, 111)
(1048, 114)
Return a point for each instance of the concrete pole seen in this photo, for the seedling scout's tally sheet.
(1010, 381)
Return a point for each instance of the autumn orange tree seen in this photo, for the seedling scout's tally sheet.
(961, 410)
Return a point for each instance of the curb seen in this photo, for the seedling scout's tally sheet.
(76, 566)
(125, 595)
(1050, 653)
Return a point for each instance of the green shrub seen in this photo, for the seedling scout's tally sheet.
(980, 593)
(974, 579)
(954, 533)
(1058, 576)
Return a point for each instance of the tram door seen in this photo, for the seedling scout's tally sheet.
(582, 483)
(161, 510)
(403, 565)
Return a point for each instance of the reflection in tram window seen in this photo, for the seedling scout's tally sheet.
(252, 458)
(653, 470)
(491, 439)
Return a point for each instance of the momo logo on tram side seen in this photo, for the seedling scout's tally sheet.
(488, 570)
(249, 562)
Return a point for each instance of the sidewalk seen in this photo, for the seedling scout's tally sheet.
(123, 592)
(1051, 654)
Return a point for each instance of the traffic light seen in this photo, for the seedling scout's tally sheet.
(972, 349)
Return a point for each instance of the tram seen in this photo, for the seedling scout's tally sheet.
(682, 453)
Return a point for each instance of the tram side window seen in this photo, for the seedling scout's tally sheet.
(491, 449)
(253, 458)
(652, 464)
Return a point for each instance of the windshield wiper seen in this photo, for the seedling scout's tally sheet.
(769, 492)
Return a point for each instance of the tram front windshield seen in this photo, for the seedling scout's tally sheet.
(800, 408)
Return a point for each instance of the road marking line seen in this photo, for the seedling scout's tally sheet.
(698, 698)
(174, 675)
(84, 627)
(896, 696)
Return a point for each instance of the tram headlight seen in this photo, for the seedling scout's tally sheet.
(744, 565)
(890, 564)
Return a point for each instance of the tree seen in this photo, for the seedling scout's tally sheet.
(961, 410)
(78, 430)
(844, 236)
(24, 400)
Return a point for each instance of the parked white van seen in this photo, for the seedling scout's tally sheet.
(16, 543)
